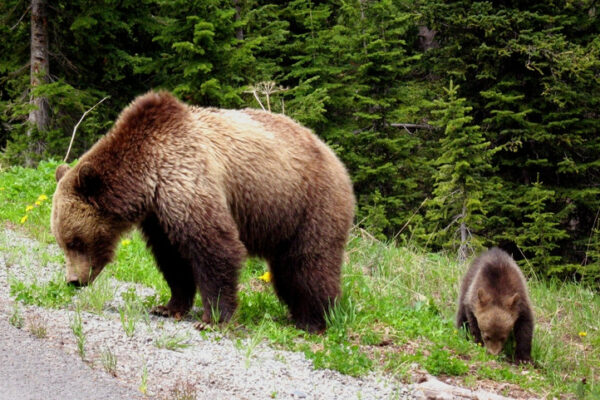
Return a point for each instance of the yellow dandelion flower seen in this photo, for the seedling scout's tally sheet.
(582, 334)
(42, 197)
(265, 277)
(455, 331)
(125, 242)
(28, 208)
(24, 219)
(1, 189)
(38, 203)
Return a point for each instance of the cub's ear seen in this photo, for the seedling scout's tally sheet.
(513, 301)
(89, 181)
(483, 297)
(61, 170)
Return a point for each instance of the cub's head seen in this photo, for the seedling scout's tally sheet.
(86, 234)
(496, 320)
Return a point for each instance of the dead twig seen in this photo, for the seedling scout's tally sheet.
(77, 125)
(407, 127)
(20, 19)
(266, 88)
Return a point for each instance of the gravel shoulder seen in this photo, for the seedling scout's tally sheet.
(210, 366)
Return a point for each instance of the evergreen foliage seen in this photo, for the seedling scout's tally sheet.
(462, 168)
(513, 142)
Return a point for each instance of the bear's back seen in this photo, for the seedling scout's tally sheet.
(273, 170)
(497, 273)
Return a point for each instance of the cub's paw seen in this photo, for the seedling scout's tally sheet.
(164, 311)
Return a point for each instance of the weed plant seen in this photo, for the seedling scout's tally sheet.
(77, 328)
(175, 342)
(109, 361)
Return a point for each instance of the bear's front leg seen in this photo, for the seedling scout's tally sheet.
(216, 255)
(461, 316)
(523, 330)
(177, 271)
(474, 328)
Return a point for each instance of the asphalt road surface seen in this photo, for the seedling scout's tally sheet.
(30, 369)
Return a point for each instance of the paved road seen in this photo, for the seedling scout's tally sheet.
(30, 369)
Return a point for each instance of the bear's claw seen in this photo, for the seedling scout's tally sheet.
(164, 311)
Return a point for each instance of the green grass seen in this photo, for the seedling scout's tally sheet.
(397, 308)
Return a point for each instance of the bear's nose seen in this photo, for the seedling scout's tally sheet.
(74, 282)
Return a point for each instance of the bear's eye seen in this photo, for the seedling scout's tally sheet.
(75, 244)
(486, 338)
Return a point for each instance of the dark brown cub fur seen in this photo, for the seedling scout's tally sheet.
(494, 302)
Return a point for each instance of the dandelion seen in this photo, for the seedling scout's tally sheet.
(1, 189)
(28, 208)
(38, 203)
(42, 197)
(582, 334)
(125, 242)
(24, 219)
(265, 277)
(455, 331)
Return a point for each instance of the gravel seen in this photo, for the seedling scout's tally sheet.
(206, 365)
(210, 365)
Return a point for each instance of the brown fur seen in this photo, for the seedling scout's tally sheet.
(494, 301)
(206, 187)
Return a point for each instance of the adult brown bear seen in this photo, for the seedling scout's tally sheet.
(494, 303)
(207, 187)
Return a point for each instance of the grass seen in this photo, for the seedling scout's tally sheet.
(109, 361)
(172, 342)
(77, 328)
(397, 308)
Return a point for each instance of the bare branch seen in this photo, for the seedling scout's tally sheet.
(253, 91)
(412, 126)
(20, 19)
(266, 88)
(411, 217)
(77, 125)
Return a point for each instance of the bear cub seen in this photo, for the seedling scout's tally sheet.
(494, 302)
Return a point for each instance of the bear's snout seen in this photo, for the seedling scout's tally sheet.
(74, 281)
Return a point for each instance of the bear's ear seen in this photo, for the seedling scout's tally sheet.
(483, 297)
(61, 170)
(89, 181)
(513, 301)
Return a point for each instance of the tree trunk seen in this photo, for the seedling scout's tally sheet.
(463, 250)
(39, 117)
(239, 33)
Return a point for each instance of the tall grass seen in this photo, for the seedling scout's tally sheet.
(397, 308)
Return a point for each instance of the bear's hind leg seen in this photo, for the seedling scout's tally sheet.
(309, 284)
(177, 271)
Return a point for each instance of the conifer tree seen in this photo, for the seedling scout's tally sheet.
(462, 167)
(540, 234)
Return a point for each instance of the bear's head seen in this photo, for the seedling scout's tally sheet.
(87, 234)
(496, 319)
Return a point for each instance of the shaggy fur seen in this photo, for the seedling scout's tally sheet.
(494, 302)
(207, 187)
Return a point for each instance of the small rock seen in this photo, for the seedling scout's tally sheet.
(299, 394)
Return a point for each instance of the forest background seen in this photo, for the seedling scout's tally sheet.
(464, 124)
